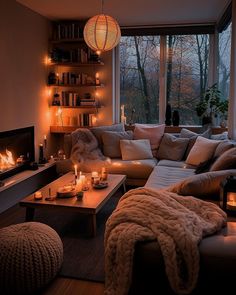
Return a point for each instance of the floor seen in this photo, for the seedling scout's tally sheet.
(59, 286)
(64, 286)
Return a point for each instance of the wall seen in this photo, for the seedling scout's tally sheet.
(24, 99)
(23, 48)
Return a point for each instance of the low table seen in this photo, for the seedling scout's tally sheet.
(90, 204)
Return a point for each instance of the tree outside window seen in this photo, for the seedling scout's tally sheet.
(187, 67)
(139, 78)
(224, 61)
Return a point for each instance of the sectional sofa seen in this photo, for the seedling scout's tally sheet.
(171, 162)
(164, 165)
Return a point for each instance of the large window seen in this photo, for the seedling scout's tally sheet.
(186, 76)
(187, 72)
(139, 78)
(224, 61)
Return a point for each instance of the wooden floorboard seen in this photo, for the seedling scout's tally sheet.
(65, 286)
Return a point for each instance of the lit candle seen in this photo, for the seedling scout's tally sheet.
(45, 141)
(41, 156)
(97, 81)
(122, 110)
(123, 119)
(231, 199)
(38, 195)
(76, 171)
(93, 176)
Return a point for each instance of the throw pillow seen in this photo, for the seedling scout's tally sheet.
(185, 133)
(172, 148)
(205, 166)
(202, 185)
(223, 147)
(111, 142)
(152, 132)
(226, 161)
(202, 151)
(221, 136)
(135, 149)
(97, 131)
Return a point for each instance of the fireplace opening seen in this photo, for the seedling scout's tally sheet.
(16, 151)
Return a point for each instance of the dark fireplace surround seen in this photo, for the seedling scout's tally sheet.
(21, 143)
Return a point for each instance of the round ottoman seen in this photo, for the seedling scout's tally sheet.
(31, 254)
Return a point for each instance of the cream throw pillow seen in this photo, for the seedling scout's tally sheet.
(111, 142)
(152, 132)
(135, 149)
(202, 151)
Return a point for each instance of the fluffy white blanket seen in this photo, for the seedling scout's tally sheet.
(178, 223)
(85, 151)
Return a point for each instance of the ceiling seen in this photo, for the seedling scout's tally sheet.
(133, 12)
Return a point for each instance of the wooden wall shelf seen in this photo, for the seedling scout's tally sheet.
(77, 107)
(74, 64)
(75, 85)
(65, 129)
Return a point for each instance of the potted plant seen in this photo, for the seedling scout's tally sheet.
(212, 105)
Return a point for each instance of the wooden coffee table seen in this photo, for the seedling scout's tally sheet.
(90, 204)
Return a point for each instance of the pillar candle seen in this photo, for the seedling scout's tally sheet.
(76, 171)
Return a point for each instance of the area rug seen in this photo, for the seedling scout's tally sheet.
(83, 255)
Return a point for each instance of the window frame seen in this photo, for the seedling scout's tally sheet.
(212, 70)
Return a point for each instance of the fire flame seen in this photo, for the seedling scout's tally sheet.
(6, 161)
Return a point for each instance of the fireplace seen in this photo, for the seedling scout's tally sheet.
(16, 151)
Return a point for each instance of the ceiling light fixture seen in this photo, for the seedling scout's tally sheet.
(102, 32)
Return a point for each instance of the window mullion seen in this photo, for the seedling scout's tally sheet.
(162, 79)
(213, 59)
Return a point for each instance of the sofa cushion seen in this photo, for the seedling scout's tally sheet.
(202, 185)
(136, 169)
(178, 164)
(226, 161)
(135, 149)
(185, 133)
(223, 147)
(202, 151)
(163, 176)
(97, 131)
(172, 148)
(152, 132)
(111, 142)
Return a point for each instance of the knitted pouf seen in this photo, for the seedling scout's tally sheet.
(31, 254)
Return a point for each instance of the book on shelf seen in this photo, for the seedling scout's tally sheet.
(67, 31)
(85, 120)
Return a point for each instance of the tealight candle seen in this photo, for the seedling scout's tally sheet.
(38, 195)
(96, 180)
(94, 174)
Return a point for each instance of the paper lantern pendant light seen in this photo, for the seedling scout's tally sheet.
(102, 32)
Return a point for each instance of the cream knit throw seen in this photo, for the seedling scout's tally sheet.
(178, 223)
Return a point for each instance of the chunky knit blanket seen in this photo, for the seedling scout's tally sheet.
(178, 223)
